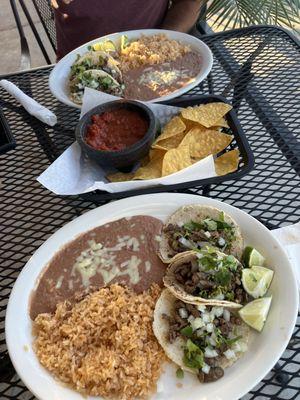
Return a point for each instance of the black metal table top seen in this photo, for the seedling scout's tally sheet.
(258, 70)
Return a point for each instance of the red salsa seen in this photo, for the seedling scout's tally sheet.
(116, 129)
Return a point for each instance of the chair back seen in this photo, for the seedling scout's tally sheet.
(46, 14)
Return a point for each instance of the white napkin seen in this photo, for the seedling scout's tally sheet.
(31, 106)
(72, 173)
(289, 237)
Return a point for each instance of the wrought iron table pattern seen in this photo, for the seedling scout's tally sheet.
(258, 69)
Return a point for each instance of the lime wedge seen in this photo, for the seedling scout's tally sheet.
(97, 46)
(252, 257)
(256, 280)
(255, 313)
(107, 46)
(124, 42)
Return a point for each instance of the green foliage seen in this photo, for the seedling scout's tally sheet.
(240, 13)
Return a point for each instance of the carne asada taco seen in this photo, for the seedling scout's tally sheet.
(95, 79)
(202, 339)
(207, 276)
(195, 226)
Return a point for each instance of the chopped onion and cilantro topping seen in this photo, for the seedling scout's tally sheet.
(193, 356)
(195, 235)
(209, 333)
(180, 373)
(220, 276)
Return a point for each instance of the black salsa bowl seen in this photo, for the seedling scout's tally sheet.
(127, 157)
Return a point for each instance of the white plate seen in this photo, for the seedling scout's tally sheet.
(264, 350)
(59, 77)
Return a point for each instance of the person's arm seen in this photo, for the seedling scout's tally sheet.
(182, 15)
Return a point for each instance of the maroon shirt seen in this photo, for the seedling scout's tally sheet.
(83, 20)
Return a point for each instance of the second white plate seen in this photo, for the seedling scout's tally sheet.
(59, 77)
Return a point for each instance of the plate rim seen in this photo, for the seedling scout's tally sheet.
(160, 199)
(176, 93)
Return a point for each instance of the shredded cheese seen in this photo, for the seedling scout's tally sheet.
(101, 260)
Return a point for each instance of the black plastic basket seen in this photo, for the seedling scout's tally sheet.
(7, 140)
(239, 142)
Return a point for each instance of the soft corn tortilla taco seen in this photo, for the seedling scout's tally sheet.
(95, 79)
(194, 226)
(202, 342)
(207, 276)
(98, 60)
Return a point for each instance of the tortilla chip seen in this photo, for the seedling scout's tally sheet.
(150, 171)
(222, 123)
(174, 127)
(191, 124)
(227, 162)
(206, 114)
(144, 161)
(157, 152)
(120, 177)
(170, 143)
(176, 160)
(202, 143)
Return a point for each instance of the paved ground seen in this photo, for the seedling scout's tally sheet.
(10, 41)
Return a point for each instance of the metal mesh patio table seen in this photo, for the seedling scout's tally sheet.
(257, 69)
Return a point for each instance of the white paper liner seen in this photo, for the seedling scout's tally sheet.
(289, 237)
(73, 173)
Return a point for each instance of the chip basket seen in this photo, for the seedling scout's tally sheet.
(246, 162)
(7, 140)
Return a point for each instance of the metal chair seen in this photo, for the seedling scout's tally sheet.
(46, 15)
(25, 54)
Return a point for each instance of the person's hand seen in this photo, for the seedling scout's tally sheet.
(55, 5)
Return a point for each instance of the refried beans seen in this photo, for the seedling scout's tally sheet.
(123, 251)
(150, 81)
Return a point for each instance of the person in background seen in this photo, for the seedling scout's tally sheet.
(80, 21)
